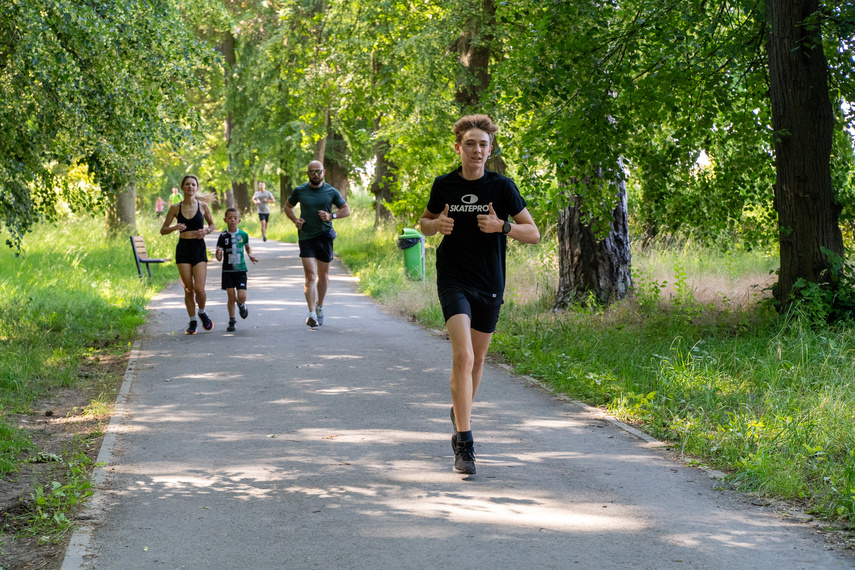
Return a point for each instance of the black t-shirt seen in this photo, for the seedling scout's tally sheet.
(468, 256)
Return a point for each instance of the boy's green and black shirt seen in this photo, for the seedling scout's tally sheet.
(234, 258)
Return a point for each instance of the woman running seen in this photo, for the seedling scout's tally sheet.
(191, 254)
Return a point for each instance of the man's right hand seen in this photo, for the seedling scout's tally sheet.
(446, 224)
(299, 223)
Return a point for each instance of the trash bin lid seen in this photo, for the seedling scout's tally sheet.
(410, 233)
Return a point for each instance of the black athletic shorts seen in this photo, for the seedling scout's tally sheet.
(191, 251)
(234, 280)
(263, 217)
(321, 248)
(483, 310)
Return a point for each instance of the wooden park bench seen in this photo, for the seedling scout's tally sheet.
(141, 255)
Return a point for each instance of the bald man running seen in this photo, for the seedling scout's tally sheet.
(315, 234)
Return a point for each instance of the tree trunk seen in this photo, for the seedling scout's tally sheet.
(237, 197)
(285, 188)
(385, 179)
(335, 163)
(121, 217)
(241, 195)
(475, 48)
(320, 150)
(589, 266)
(803, 120)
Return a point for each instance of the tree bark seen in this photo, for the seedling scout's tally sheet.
(122, 216)
(335, 163)
(385, 179)
(285, 188)
(320, 150)
(241, 196)
(803, 120)
(590, 266)
(475, 48)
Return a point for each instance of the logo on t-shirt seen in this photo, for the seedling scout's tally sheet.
(469, 205)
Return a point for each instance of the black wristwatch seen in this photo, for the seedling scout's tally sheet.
(506, 229)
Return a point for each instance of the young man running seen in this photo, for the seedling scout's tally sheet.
(472, 208)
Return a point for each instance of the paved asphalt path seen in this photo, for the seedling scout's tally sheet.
(280, 446)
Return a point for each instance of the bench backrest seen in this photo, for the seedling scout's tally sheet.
(139, 247)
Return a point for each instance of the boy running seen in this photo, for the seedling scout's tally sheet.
(476, 211)
(231, 245)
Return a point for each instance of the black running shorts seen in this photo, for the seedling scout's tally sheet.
(234, 280)
(482, 310)
(321, 248)
(263, 217)
(191, 251)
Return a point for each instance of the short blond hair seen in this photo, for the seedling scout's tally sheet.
(469, 122)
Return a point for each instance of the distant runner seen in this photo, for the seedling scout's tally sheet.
(263, 198)
(175, 197)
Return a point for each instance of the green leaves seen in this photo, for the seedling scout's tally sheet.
(97, 84)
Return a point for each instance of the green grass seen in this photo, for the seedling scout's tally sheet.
(70, 294)
(697, 359)
(50, 517)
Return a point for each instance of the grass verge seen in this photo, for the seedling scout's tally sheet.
(696, 358)
(70, 303)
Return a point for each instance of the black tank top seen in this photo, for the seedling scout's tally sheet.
(197, 222)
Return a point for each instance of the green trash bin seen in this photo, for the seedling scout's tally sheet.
(412, 243)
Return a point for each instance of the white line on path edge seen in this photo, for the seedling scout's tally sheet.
(79, 545)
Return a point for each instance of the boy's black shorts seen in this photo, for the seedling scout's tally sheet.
(234, 280)
(482, 310)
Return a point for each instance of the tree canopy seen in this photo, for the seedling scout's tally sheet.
(88, 83)
(671, 98)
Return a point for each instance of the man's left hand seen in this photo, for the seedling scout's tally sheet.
(490, 223)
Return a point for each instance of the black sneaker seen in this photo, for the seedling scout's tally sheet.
(207, 323)
(311, 320)
(191, 328)
(243, 311)
(231, 327)
(464, 457)
(454, 429)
